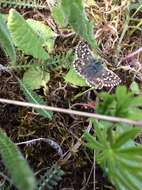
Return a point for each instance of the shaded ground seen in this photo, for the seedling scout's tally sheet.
(21, 124)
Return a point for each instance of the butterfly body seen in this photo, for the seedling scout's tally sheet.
(93, 67)
(93, 70)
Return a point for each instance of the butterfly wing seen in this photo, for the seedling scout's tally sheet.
(110, 79)
(98, 78)
(103, 78)
(95, 73)
(83, 51)
(83, 57)
(79, 66)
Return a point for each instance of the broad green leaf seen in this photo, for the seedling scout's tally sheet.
(75, 13)
(58, 14)
(6, 41)
(24, 37)
(46, 34)
(17, 166)
(73, 78)
(4, 16)
(32, 97)
(125, 137)
(35, 78)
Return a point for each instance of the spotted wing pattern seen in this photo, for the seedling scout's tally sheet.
(83, 51)
(104, 78)
(93, 71)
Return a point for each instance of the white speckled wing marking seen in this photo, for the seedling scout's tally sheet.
(83, 51)
(78, 64)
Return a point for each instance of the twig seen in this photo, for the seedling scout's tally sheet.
(69, 111)
(94, 173)
(77, 145)
(131, 54)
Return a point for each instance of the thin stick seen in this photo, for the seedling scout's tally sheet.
(132, 54)
(94, 173)
(69, 111)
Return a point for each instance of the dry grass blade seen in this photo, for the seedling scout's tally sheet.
(69, 111)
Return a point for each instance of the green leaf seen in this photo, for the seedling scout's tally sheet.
(24, 37)
(32, 97)
(51, 178)
(126, 180)
(119, 160)
(58, 15)
(136, 101)
(132, 150)
(75, 14)
(35, 78)
(92, 143)
(135, 113)
(129, 161)
(102, 136)
(6, 41)
(125, 172)
(17, 166)
(107, 104)
(125, 137)
(121, 91)
(46, 34)
(122, 103)
(135, 88)
(73, 78)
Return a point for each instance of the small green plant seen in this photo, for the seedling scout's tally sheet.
(24, 37)
(35, 77)
(33, 97)
(117, 153)
(72, 12)
(121, 104)
(21, 175)
(51, 178)
(27, 34)
(34, 4)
